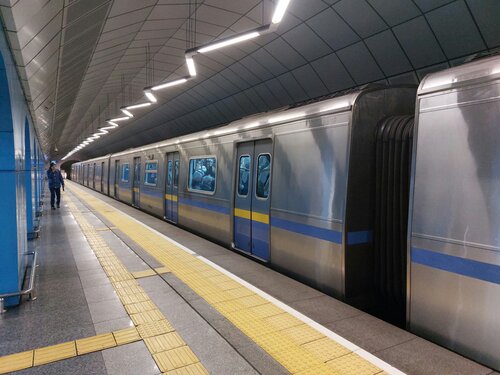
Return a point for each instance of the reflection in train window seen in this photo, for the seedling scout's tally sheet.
(202, 174)
(263, 175)
(244, 175)
(151, 174)
(125, 172)
(169, 173)
(176, 173)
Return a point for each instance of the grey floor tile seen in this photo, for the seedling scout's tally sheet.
(325, 309)
(131, 359)
(87, 364)
(113, 325)
(370, 333)
(419, 357)
(214, 352)
(262, 361)
(186, 292)
(100, 293)
(90, 281)
(88, 265)
(154, 284)
(107, 310)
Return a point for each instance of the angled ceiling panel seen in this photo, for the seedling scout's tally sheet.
(458, 35)
(79, 61)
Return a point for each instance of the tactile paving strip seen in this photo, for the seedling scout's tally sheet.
(297, 346)
(169, 352)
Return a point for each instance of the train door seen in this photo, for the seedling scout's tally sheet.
(136, 182)
(93, 176)
(117, 178)
(102, 177)
(252, 198)
(172, 186)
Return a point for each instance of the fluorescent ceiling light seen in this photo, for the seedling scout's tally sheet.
(150, 96)
(286, 117)
(113, 125)
(129, 114)
(191, 67)
(89, 140)
(85, 143)
(279, 11)
(228, 42)
(138, 106)
(169, 84)
(119, 119)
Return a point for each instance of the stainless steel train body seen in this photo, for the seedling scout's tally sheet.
(313, 222)
(318, 221)
(454, 241)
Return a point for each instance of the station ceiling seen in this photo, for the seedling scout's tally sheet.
(81, 60)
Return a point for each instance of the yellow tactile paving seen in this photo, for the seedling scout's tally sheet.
(139, 307)
(160, 337)
(147, 316)
(154, 328)
(326, 349)
(54, 353)
(161, 270)
(194, 369)
(175, 358)
(145, 273)
(161, 343)
(95, 343)
(126, 336)
(353, 364)
(297, 346)
(16, 362)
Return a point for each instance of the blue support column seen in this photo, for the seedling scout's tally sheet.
(28, 179)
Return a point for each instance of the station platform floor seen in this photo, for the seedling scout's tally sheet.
(121, 292)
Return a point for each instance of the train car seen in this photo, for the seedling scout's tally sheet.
(454, 241)
(292, 188)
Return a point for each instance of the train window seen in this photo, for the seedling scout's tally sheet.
(244, 175)
(263, 175)
(125, 172)
(202, 174)
(176, 173)
(169, 173)
(151, 174)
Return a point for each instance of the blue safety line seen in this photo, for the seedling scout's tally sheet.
(466, 267)
(308, 230)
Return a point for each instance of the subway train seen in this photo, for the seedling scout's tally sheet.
(386, 198)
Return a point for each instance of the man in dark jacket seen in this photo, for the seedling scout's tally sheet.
(55, 182)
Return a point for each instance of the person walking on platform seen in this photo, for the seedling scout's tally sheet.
(55, 182)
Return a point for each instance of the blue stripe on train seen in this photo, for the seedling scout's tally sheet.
(206, 206)
(308, 230)
(359, 237)
(466, 267)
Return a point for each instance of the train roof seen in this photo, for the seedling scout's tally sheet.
(481, 70)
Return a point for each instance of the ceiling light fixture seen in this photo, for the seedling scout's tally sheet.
(169, 84)
(150, 96)
(119, 119)
(228, 41)
(113, 125)
(279, 11)
(191, 67)
(140, 105)
(124, 110)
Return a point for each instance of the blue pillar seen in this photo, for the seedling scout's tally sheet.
(12, 205)
(28, 179)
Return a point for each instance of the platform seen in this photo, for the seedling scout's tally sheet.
(122, 292)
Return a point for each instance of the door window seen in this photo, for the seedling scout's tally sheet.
(263, 176)
(244, 175)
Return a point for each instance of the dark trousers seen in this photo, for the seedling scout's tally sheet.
(53, 193)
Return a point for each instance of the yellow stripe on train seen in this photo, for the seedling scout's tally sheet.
(171, 197)
(256, 216)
